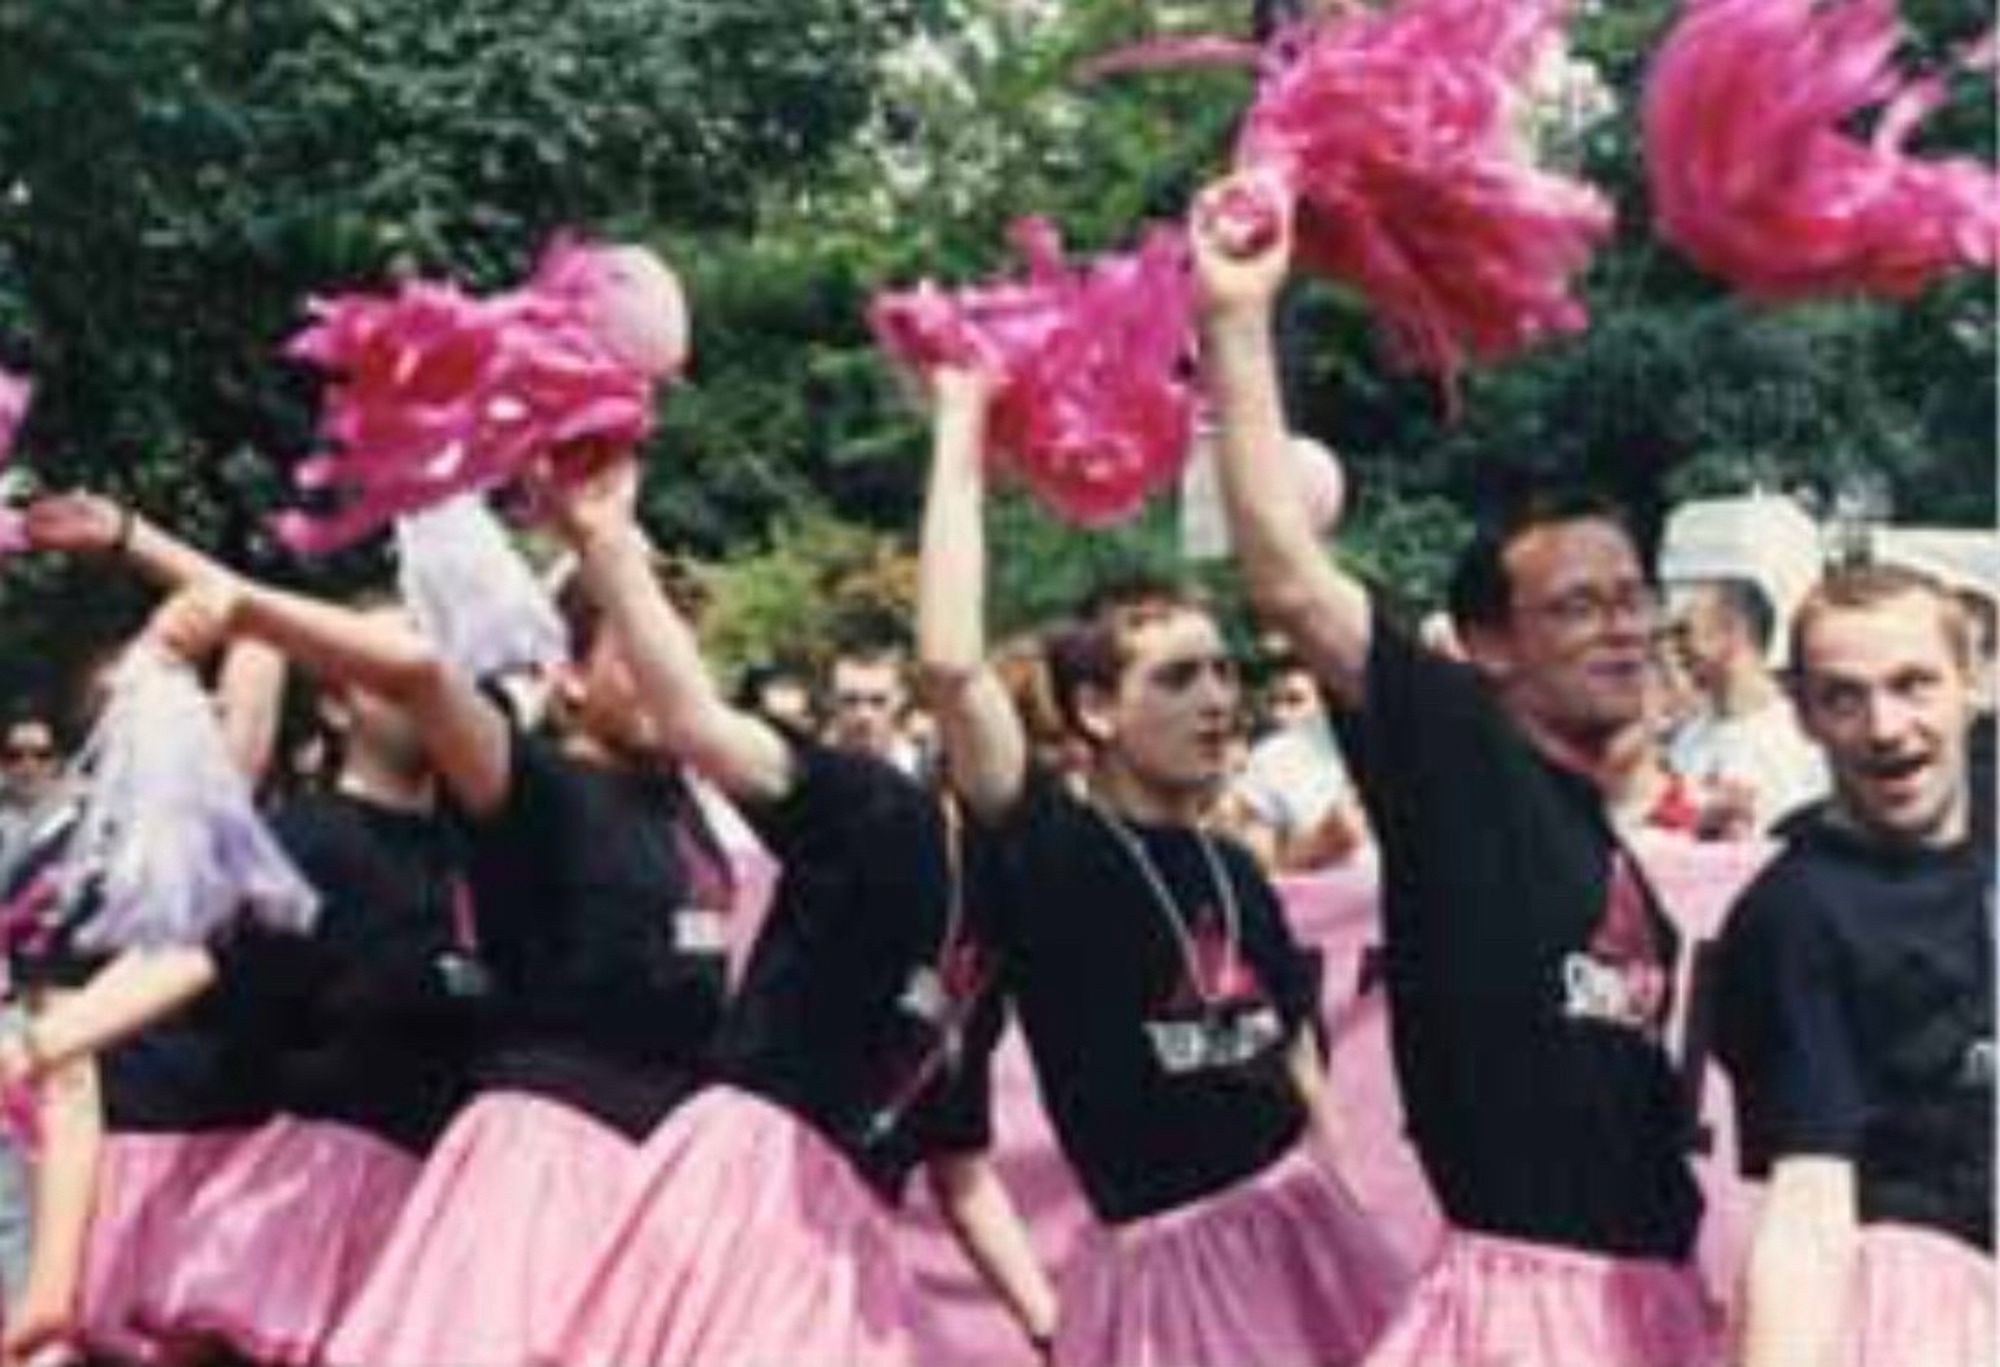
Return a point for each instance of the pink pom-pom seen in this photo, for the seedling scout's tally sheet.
(15, 391)
(1322, 481)
(1755, 172)
(436, 393)
(1093, 405)
(625, 295)
(1396, 132)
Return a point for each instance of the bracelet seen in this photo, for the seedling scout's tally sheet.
(127, 522)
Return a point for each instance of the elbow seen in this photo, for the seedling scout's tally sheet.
(1279, 592)
(943, 679)
(416, 677)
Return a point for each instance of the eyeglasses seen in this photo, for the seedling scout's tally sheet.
(16, 753)
(1589, 608)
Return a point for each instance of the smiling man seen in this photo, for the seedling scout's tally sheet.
(1527, 963)
(1167, 1007)
(1856, 1004)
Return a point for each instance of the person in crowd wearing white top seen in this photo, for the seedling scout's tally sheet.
(1744, 751)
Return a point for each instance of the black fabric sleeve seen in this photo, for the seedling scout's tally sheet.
(829, 786)
(511, 851)
(960, 1117)
(1782, 1033)
(1288, 971)
(1421, 716)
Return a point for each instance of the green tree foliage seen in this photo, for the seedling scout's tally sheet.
(174, 177)
(177, 177)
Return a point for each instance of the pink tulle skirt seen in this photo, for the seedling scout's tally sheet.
(146, 1184)
(1284, 1269)
(1922, 1299)
(748, 1241)
(1495, 1300)
(279, 1239)
(507, 1205)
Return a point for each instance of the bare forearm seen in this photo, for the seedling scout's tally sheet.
(951, 573)
(985, 744)
(131, 992)
(163, 558)
(739, 753)
(1801, 1259)
(976, 1205)
(250, 692)
(1287, 573)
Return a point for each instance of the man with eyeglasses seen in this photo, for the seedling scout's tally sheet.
(1528, 963)
(31, 762)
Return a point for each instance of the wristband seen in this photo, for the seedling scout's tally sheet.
(127, 521)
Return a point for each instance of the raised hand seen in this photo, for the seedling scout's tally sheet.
(1241, 232)
(76, 522)
(191, 625)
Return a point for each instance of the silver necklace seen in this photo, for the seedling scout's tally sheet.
(1163, 898)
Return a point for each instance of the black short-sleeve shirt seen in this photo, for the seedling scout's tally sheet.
(1527, 964)
(1161, 1055)
(610, 984)
(369, 1024)
(198, 1069)
(868, 1006)
(1855, 1015)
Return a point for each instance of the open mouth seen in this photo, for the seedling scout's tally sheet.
(1894, 769)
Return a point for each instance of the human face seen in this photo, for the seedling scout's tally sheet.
(867, 705)
(1169, 722)
(30, 759)
(377, 730)
(1292, 699)
(787, 701)
(371, 725)
(606, 703)
(1702, 635)
(1882, 692)
(1571, 659)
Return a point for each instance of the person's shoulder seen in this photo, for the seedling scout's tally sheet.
(1793, 893)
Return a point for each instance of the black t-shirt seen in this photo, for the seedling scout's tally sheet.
(1855, 1015)
(868, 1007)
(1161, 1054)
(197, 1069)
(1527, 965)
(610, 982)
(370, 1015)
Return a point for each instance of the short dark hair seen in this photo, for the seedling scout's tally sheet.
(33, 713)
(583, 617)
(1080, 655)
(1480, 593)
(1117, 597)
(1094, 654)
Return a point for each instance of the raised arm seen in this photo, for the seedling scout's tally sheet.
(464, 734)
(249, 691)
(738, 752)
(1291, 581)
(985, 744)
